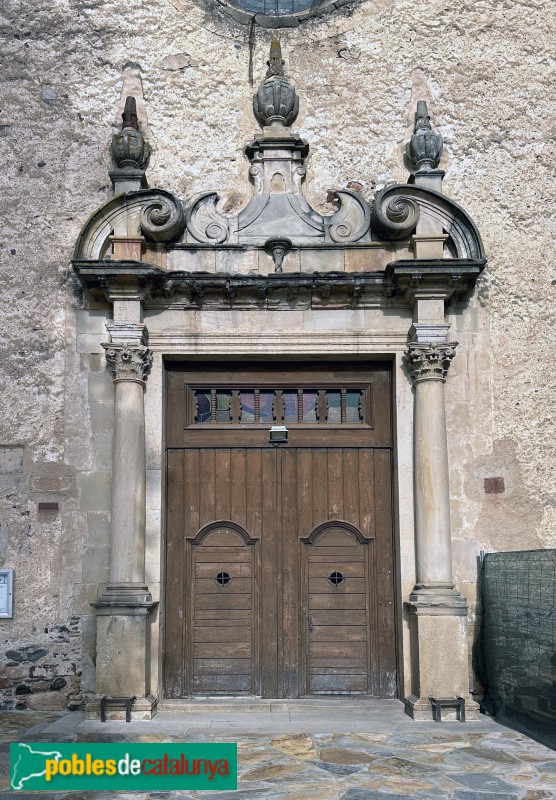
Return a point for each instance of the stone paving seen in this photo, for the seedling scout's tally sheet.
(367, 751)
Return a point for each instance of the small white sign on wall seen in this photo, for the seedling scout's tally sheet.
(6, 593)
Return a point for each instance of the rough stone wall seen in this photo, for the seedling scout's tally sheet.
(486, 69)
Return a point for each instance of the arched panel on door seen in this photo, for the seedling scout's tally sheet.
(339, 633)
(223, 639)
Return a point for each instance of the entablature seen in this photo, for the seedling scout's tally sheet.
(396, 286)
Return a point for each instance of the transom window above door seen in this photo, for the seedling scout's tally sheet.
(291, 405)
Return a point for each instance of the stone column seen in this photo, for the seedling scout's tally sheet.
(438, 613)
(122, 608)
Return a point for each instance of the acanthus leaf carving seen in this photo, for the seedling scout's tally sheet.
(430, 362)
(129, 362)
(204, 223)
(352, 220)
(394, 215)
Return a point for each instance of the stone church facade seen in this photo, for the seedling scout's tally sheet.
(276, 345)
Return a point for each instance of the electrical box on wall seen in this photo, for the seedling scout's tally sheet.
(6, 593)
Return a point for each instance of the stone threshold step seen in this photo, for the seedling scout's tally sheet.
(237, 705)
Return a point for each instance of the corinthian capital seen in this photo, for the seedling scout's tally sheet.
(430, 362)
(129, 362)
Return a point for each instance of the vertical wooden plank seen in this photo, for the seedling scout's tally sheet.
(305, 524)
(254, 492)
(175, 409)
(238, 498)
(335, 484)
(351, 486)
(270, 600)
(320, 485)
(381, 406)
(223, 484)
(366, 478)
(207, 486)
(191, 508)
(174, 579)
(253, 525)
(385, 578)
(305, 518)
(289, 649)
(191, 525)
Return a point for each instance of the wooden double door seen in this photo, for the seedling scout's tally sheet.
(279, 575)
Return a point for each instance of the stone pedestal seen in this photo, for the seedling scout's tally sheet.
(122, 608)
(440, 663)
(438, 613)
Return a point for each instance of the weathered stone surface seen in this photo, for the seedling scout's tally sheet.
(297, 745)
(47, 701)
(25, 655)
(335, 755)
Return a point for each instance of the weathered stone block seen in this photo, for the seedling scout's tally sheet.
(51, 483)
(94, 490)
(98, 529)
(102, 417)
(26, 654)
(47, 701)
(96, 564)
(101, 387)
(91, 320)
(90, 343)
(11, 460)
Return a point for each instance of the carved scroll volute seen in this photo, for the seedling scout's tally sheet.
(162, 217)
(351, 222)
(394, 215)
(204, 223)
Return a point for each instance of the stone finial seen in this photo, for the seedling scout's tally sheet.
(424, 149)
(276, 103)
(129, 148)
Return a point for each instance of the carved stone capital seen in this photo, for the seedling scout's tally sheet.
(430, 362)
(129, 363)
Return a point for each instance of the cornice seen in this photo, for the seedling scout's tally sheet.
(400, 284)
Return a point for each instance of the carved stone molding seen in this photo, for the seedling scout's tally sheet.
(430, 362)
(129, 363)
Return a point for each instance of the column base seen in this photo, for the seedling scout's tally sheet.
(437, 599)
(439, 650)
(420, 709)
(142, 708)
(124, 598)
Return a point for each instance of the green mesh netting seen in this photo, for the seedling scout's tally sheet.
(518, 640)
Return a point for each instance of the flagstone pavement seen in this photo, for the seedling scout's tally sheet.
(334, 750)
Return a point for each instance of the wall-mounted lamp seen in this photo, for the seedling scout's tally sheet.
(278, 434)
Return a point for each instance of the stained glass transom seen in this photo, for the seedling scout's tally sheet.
(333, 406)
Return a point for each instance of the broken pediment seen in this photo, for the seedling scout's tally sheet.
(278, 231)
